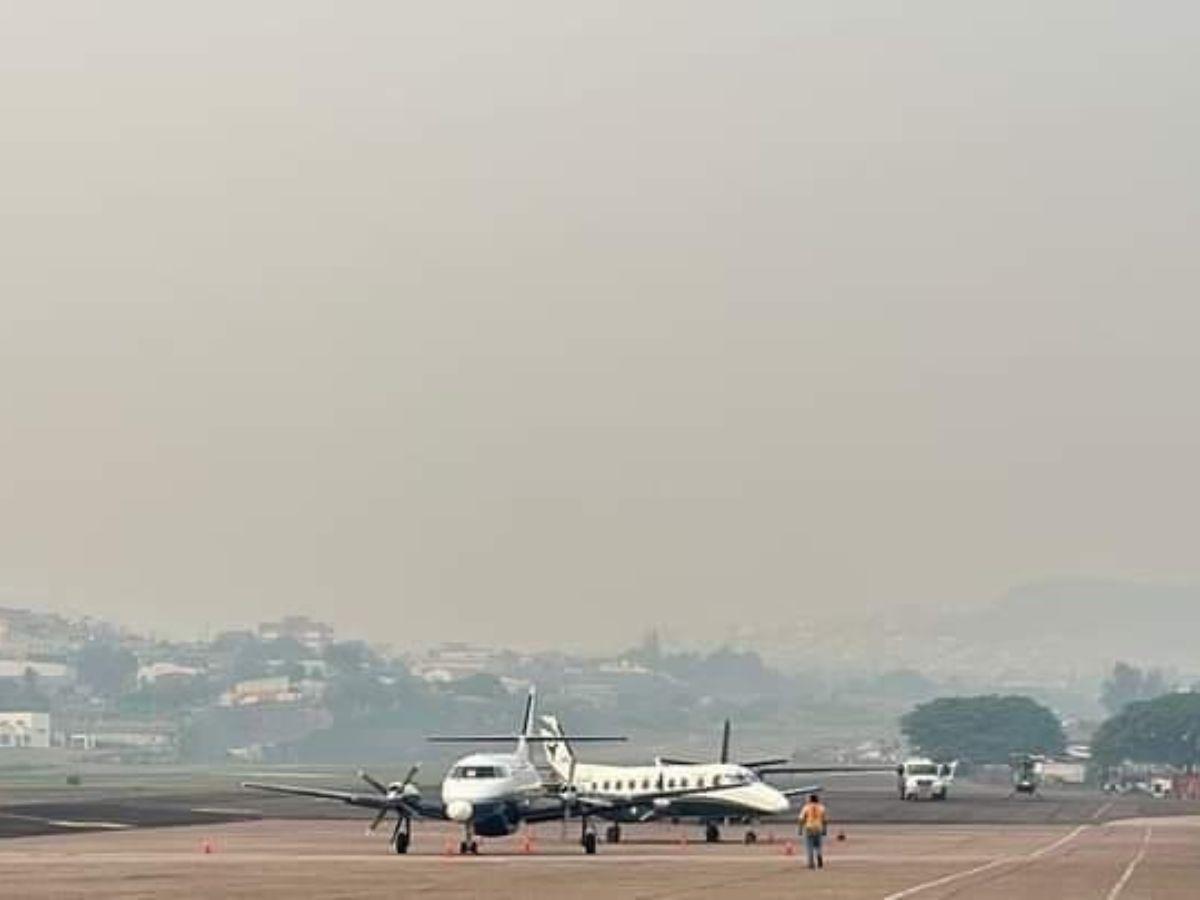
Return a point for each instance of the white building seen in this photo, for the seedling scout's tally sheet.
(24, 729)
(161, 671)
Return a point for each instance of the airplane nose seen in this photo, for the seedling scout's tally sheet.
(777, 801)
(459, 810)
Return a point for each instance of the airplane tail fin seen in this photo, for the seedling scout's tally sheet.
(558, 749)
(527, 723)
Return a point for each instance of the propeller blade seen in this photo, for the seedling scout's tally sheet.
(380, 816)
(372, 782)
(725, 743)
(412, 772)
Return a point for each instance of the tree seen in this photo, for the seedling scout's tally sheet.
(107, 668)
(1165, 730)
(1128, 684)
(349, 656)
(985, 729)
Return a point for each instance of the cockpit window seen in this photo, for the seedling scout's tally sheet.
(922, 769)
(477, 772)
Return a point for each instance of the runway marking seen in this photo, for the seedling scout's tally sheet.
(65, 823)
(999, 861)
(225, 811)
(1133, 864)
(1103, 809)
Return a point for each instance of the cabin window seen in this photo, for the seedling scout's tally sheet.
(671, 782)
(645, 784)
(606, 785)
(716, 780)
(477, 772)
(700, 781)
(683, 782)
(619, 785)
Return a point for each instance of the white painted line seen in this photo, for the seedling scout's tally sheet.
(1103, 809)
(67, 823)
(967, 873)
(947, 879)
(1133, 864)
(225, 811)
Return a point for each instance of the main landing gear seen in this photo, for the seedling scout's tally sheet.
(587, 836)
(612, 834)
(751, 837)
(402, 835)
(712, 834)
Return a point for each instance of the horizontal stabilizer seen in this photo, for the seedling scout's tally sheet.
(529, 738)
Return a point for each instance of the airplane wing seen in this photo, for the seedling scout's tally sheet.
(595, 805)
(354, 798)
(800, 791)
(409, 805)
(826, 770)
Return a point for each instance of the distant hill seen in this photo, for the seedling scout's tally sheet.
(1096, 619)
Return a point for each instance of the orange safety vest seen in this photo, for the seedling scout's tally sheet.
(812, 817)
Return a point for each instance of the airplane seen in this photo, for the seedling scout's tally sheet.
(720, 792)
(489, 794)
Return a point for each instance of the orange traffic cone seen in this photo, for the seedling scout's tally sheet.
(206, 846)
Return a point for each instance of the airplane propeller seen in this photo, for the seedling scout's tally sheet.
(397, 795)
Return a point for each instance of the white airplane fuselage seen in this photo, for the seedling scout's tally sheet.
(490, 791)
(731, 791)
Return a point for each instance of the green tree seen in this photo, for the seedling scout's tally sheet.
(1163, 730)
(985, 729)
(1128, 684)
(107, 668)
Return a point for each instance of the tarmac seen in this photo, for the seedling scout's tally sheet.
(979, 844)
(1136, 858)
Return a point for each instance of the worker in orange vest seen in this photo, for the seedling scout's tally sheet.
(814, 823)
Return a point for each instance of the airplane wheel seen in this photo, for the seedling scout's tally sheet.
(463, 848)
(474, 848)
(750, 838)
(589, 843)
(402, 843)
(612, 834)
(712, 834)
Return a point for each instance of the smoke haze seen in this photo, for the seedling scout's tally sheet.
(550, 322)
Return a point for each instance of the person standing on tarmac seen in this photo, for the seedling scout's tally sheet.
(814, 822)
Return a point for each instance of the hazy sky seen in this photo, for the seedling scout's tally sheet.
(549, 321)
